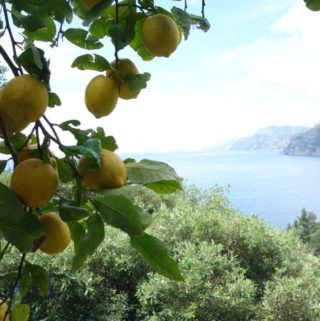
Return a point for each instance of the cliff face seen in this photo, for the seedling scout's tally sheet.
(272, 137)
(304, 144)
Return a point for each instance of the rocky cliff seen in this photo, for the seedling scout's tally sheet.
(304, 144)
(272, 137)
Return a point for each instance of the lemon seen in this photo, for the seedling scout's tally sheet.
(3, 310)
(160, 35)
(112, 173)
(28, 152)
(34, 181)
(89, 4)
(124, 68)
(25, 98)
(12, 126)
(57, 233)
(101, 96)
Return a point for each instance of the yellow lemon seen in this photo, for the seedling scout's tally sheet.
(27, 152)
(3, 310)
(25, 98)
(57, 233)
(34, 181)
(101, 96)
(112, 173)
(160, 35)
(12, 126)
(124, 68)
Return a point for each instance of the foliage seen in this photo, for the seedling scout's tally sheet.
(308, 230)
(85, 24)
(222, 282)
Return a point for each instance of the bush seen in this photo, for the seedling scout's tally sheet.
(215, 288)
(236, 267)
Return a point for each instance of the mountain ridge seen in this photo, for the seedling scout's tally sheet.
(268, 138)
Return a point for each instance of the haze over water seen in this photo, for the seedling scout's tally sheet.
(276, 187)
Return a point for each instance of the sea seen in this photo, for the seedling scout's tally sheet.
(265, 183)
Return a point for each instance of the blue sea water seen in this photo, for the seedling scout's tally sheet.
(275, 187)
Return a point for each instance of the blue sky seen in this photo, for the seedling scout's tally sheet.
(257, 66)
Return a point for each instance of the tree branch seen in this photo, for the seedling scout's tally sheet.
(13, 42)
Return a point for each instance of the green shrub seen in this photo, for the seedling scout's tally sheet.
(294, 298)
(215, 288)
(236, 268)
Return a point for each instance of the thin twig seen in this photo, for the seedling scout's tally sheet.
(13, 42)
(7, 142)
(185, 5)
(117, 23)
(13, 288)
(4, 250)
(202, 9)
(12, 66)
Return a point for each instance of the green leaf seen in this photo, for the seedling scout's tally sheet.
(59, 10)
(34, 62)
(122, 33)
(82, 39)
(121, 213)
(164, 186)
(313, 5)
(44, 33)
(107, 142)
(158, 176)
(65, 171)
(40, 278)
(138, 81)
(186, 20)
(25, 281)
(70, 211)
(4, 149)
(156, 254)
(80, 135)
(20, 312)
(137, 42)
(3, 164)
(90, 62)
(18, 227)
(54, 100)
(96, 11)
(91, 149)
(10, 206)
(91, 241)
(65, 125)
(100, 28)
(78, 233)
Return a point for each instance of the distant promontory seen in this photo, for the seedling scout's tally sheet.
(269, 138)
(306, 143)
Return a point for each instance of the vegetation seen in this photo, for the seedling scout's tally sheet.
(48, 199)
(308, 230)
(228, 263)
(236, 267)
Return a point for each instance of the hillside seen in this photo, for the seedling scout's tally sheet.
(304, 144)
(271, 137)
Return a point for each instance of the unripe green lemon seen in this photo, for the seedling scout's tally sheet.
(101, 96)
(160, 35)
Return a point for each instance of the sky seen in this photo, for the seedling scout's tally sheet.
(257, 66)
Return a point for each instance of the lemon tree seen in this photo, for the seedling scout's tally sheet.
(55, 202)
